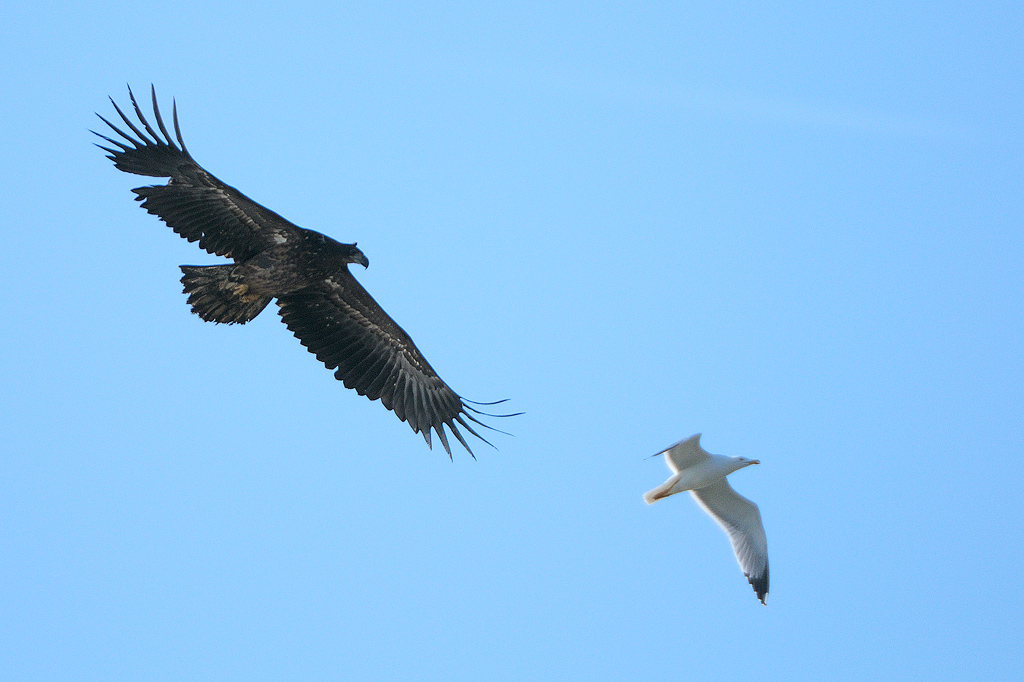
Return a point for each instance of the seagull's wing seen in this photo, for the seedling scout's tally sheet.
(741, 519)
(685, 454)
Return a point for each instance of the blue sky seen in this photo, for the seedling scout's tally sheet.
(794, 229)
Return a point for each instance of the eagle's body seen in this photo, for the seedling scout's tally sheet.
(238, 293)
(307, 272)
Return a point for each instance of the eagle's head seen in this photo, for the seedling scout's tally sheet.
(354, 255)
(334, 251)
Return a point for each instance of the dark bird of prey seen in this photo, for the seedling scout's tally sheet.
(704, 475)
(307, 272)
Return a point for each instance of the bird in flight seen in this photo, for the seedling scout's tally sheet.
(704, 475)
(307, 272)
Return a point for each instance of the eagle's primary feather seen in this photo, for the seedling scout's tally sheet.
(307, 272)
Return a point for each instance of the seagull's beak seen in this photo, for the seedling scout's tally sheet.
(755, 461)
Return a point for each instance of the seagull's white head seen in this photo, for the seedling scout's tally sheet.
(743, 462)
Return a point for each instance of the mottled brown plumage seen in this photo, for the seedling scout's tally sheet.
(307, 272)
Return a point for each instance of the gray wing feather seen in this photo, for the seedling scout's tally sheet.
(741, 520)
(685, 454)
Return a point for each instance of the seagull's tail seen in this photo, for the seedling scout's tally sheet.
(652, 496)
(216, 297)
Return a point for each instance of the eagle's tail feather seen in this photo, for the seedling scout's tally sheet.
(215, 297)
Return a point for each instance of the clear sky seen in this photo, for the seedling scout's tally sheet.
(795, 229)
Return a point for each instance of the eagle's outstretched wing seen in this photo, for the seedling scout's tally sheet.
(194, 203)
(340, 323)
(335, 318)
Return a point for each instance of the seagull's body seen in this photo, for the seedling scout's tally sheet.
(704, 475)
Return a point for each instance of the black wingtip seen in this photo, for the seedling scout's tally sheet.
(462, 440)
(177, 128)
(485, 425)
(468, 403)
(760, 585)
(141, 148)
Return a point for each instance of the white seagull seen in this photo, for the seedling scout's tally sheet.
(703, 474)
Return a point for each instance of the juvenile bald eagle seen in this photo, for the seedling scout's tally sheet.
(307, 272)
